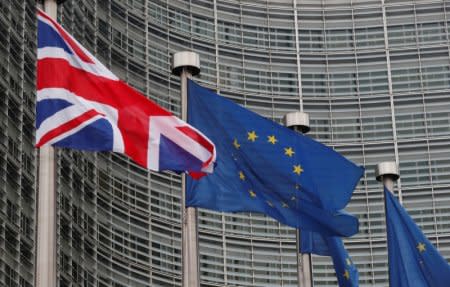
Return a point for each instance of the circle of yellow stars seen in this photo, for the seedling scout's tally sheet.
(288, 151)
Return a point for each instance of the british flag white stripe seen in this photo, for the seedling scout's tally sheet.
(110, 113)
(58, 119)
(96, 68)
(74, 61)
(93, 95)
(167, 126)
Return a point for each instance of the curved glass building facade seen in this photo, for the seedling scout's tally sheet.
(374, 77)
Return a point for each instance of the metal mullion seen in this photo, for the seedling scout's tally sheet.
(177, 226)
(328, 86)
(297, 49)
(252, 251)
(20, 141)
(372, 273)
(125, 45)
(446, 26)
(191, 24)
(82, 206)
(280, 250)
(222, 215)
(426, 128)
(216, 45)
(147, 91)
(243, 53)
(270, 65)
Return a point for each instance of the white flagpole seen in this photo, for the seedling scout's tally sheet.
(299, 122)
(45, 268)
(387, 173)
(185, 65)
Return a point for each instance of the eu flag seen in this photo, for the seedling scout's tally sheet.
(413, 260)
(264, 167)
(346, 271)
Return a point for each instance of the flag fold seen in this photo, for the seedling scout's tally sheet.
(346, 271)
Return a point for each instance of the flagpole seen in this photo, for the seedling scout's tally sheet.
(299, 122)
(387, 173)
(185, 65)
(45, 265)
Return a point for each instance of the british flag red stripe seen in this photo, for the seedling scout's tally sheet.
(91, 87)
(66, 38)
(82, 105)
(67, 126)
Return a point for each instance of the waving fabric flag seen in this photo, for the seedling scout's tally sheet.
(265, 167)
(413, 260)
(346, 271)
(82, 105)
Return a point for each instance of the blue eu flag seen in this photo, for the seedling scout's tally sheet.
(413, 260)
(346, 272)
(264, 167)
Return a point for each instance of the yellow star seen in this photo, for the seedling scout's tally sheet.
(288, 151)
(346, 275)
(298, 169)
(272, 139)
(269, 203)
(252, 136)
(252, 193)
(236, 144)
(241, 175)
(283, 204)
(349, 262)
(293, 198)
(421, 247)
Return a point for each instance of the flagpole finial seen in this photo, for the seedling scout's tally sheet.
(185, 60)
(387, 169)
(298, 121)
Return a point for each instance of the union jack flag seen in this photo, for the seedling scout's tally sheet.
(82, 105)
